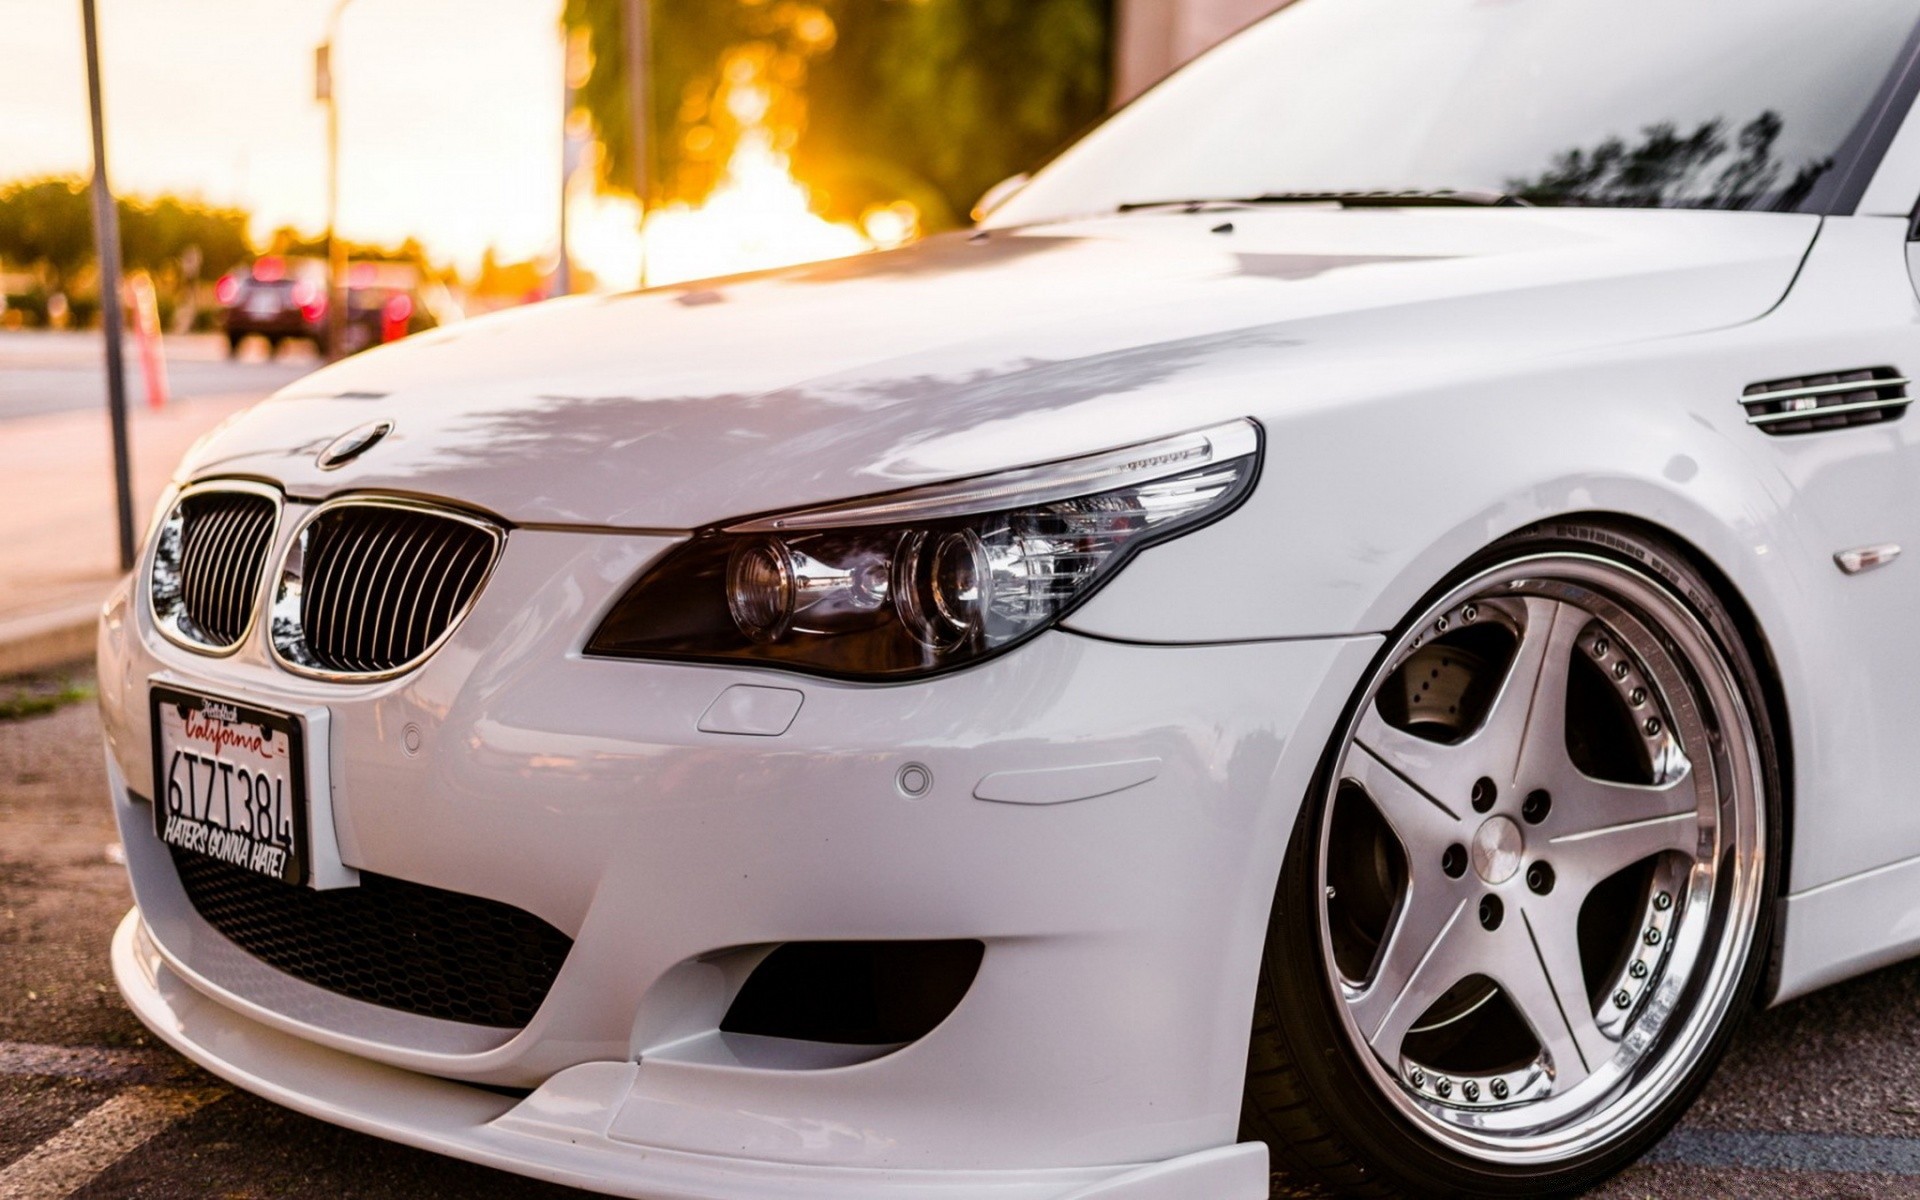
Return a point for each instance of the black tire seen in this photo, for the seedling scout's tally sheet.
(273, 345)
(1308, 1092)
(233, 344)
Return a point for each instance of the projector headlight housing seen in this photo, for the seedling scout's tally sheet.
(915, 583)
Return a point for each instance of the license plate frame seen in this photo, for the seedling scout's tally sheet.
(273, 837)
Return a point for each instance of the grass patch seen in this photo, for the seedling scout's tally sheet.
(38, 697)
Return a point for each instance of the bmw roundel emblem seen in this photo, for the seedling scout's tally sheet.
(352, 444)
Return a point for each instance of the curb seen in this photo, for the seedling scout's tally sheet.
(29, 644)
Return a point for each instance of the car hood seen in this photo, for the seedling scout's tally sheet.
(687, 405)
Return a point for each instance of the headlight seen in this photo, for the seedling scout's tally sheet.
(927, 580)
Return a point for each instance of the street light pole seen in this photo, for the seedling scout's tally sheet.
(324, 91)
(106, 244)
(639, 47)
(563, 270)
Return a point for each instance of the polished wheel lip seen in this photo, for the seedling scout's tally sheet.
(1721, 890)
(166, 535)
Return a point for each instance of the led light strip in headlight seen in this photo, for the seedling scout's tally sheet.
(927, 580)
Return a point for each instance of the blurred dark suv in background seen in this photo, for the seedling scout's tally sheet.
(277, 299)
(286, 298)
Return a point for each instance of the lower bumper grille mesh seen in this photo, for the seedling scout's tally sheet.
(400, 945)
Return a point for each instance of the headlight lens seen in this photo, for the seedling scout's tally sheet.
(927, 580)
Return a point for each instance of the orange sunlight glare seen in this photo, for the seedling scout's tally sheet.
(758, 217)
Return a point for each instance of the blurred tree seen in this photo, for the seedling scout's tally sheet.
(291, 243)
(931, 101)
(953, 94)
(157, 235)
(47, 226)
(509, 283)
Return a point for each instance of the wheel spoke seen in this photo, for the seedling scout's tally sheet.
(1424, 823)
(1600, 827)
(1443, 772)
(1541, 973)
(1600, 803)
(1586, 857)
(1424, 955)
(1525, 732)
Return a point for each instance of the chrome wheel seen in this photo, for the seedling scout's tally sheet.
(1540, 859)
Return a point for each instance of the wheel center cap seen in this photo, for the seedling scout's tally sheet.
(1498, 847)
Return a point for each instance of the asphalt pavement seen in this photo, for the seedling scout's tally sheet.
(1820, 1098)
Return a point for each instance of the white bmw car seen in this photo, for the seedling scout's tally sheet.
(1356, 625)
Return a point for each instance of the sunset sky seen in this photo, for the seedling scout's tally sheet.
(450, 111)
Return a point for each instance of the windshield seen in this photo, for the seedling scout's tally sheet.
(1636, 103)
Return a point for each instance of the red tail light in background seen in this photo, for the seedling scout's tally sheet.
(311, 298)
(398, 312)
(227, 290)
(270, 268)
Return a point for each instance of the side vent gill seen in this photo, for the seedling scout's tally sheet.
(1821, 402)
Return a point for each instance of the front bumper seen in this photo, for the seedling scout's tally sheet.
(560, 1132)
(1105, 1032)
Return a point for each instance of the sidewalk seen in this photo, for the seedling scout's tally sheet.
(58, 543)
(59, 550)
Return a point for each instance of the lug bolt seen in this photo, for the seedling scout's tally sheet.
(1651, 937)
(1417, 1077)
(1470, 613)
(1652, 727)
(1663, 901)
(1620, 669)
(1621, 999)
(1637, 697)
(1454, 861)
(1443, 1086)
(1440, 626)
(1491, 912)
(1601, 647)
(1499, 1089)
(1536, 807)
(1540, 879)
(1638, 970)
(1470, 1090)
(1484, 794)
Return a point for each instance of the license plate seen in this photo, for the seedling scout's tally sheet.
(230, 782)
(264, 306)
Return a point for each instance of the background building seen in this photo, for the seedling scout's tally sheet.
(1155, 36)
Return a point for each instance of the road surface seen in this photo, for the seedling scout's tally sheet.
(42, 372)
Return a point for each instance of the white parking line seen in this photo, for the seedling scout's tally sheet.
(69, 1160)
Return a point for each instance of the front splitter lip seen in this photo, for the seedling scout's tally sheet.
(559, 1132)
